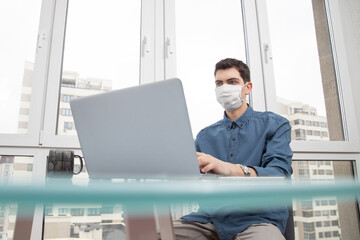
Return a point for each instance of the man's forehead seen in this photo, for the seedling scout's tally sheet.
(227, 73)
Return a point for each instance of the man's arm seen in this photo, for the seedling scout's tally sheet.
(276, 160)
(210, 164)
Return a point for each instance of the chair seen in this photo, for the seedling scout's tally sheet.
(289, 230)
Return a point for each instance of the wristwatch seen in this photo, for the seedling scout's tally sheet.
(246, 170)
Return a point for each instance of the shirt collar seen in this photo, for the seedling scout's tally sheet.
(241, 121)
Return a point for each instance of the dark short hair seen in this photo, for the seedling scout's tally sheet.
(234, 63)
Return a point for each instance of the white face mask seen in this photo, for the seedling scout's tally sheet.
(229, 96)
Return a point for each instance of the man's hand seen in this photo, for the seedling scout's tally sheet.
(208, 163)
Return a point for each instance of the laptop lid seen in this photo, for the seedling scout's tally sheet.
(137, 132)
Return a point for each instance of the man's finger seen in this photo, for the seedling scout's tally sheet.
(207, 168)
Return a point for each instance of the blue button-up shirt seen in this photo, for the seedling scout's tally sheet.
(256, 139)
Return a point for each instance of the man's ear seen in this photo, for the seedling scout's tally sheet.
(248, 88)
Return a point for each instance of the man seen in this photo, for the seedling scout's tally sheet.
(243, 143)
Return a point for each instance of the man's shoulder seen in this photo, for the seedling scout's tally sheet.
(270, 116)
(213, 127)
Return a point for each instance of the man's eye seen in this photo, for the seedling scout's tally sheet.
(218, 84)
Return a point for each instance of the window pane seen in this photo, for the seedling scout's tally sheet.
(102, 52)
(19, 22)
(12, 167)
(304, 70)
(201, 41)
(325, 215)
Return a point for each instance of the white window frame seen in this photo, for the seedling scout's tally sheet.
(351, 144)
(157, 64)
(151, 65)
(38, 84)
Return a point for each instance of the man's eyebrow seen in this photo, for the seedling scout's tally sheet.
(231, 79)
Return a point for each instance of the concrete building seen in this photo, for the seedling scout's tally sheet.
(306, 123)
(315, 218)
(72, 86)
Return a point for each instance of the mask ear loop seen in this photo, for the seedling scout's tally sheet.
(242, 100)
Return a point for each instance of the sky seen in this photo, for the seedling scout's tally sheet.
(101, 43)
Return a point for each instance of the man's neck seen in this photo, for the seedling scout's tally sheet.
(238, 112)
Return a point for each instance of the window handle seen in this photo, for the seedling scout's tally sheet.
(267, 52)
(145, 46)
(169, 47)
(41, 39)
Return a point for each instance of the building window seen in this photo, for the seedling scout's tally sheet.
(317, 213)
(298, 110)
(298, 122)
(309, 132)
(66, 112)
(307, 214)
(93, 212)
(335, 223)
(63, 211)
(30, 167)
(317, 133)
(328, 234)
(68, 85)
(332, 202)
(333, 212)
(68, 125)
(326, 223)
(336, 234)
(68, 98)
(324, 202)
(308, 123)
(329, 172)
(309, 227)
(309, 236)
(307, 205)
(303, 173)
(303, 163)
(48, 211)
(316, 124)
(321, 172)
(324, 134)
(319, 224)
(321, 235)
(323, 124)
(300, 132)
(77, 212)
(325, 212)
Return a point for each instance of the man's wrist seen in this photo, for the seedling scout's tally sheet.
(246, 171)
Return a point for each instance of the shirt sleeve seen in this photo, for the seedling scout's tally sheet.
(198, 140)
(276, 160)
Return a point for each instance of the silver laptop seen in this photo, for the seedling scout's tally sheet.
(137, 132)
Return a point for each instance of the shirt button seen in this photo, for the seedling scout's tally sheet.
(241, 125)
(231, 154)
(233, 139)
(213, 217)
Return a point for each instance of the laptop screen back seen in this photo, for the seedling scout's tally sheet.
(138, 132)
